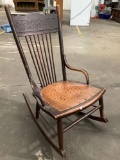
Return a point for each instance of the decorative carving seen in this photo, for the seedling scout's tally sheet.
(34, 23)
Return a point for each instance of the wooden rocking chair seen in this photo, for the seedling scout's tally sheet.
(58, 99)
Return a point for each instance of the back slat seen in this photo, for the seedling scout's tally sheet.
(40, 61)
(41, 51)
(32, 56)
(32, 44)
(49, 57)
(46, 57)
(35, 48)
(43, 61)
(53, 64)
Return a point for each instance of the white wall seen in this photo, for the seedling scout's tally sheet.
(66, 4)
(10, 2)
(1, 2)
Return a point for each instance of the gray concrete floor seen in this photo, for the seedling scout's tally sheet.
(97, 51)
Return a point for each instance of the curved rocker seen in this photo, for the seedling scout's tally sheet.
(43, 129)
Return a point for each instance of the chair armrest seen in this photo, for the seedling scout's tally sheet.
(36, 92)
(78, 70)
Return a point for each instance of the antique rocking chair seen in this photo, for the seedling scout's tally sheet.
(58, 99)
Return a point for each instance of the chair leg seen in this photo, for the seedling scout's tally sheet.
(102, 110)
(60, 135)
(43, 129)
(37, 110)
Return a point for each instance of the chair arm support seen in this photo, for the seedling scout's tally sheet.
(36, 92)
(78, 70)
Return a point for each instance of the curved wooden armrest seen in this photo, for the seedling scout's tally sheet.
(36, 92)
(78, 70)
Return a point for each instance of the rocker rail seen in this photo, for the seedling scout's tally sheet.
(48, 136)
(43, 130)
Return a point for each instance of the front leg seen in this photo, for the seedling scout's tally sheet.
(37, 110)
(102, 109)
(60, 136)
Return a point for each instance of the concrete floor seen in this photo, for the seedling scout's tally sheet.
(97, 51)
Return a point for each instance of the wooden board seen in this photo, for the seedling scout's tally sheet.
(60, 3)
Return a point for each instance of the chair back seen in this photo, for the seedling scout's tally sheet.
(36, 30)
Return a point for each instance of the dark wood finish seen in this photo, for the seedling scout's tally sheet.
(57, 99)
(95, 118)
(116, 14)
(28, 5)
(81, 118)
(35, 23)
(37, 110)
(60, 133)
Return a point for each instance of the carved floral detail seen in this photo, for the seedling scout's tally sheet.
(27, 25)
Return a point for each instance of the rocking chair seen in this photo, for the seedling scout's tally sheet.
(58, 99)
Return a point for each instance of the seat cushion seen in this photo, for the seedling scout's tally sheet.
(66, 94)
